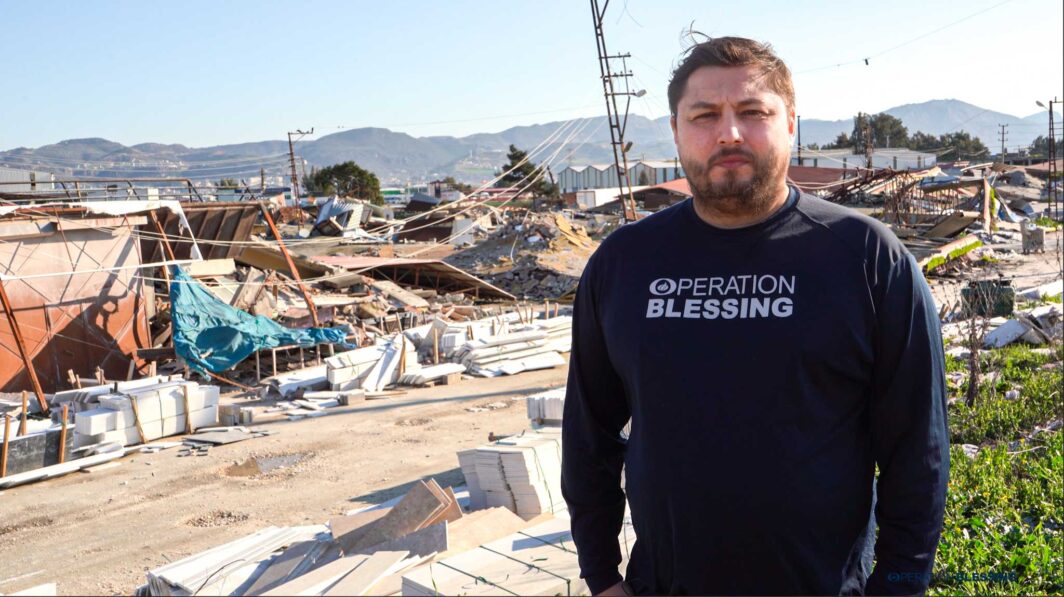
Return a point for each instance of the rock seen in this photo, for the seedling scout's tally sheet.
(970, 450)
(959, 352)
(1012, 395)
(1006, 333)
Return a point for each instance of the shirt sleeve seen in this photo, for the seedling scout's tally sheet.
(910, 436)
(596, 411)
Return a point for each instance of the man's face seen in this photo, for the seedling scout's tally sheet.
(734, 136)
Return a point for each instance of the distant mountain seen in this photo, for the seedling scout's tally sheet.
(938, 117)
(399, 158)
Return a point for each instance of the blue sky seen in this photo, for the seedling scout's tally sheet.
(205, 73)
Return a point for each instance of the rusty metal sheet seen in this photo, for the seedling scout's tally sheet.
(209, 222)
(76, 321)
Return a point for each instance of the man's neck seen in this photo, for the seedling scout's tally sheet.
(720, 219)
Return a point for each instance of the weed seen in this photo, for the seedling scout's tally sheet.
(1004, 515)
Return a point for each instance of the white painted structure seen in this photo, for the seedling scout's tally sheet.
(896, 159)
(588, 198)
(604, 176)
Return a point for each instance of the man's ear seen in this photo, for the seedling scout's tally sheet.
(672, 123)
(792, 120)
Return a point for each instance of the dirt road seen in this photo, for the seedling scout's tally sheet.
(97, 533)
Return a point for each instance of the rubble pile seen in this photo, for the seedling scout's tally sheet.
(538, 257)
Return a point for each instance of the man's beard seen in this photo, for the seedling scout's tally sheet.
(731, 195)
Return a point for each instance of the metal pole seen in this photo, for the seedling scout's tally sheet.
(292, 160)
(27, 360)
(799, 140)
(620, 159)
(1054, 202)
(1003, 137)
(291, 264)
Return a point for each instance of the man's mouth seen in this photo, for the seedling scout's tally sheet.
(731, 162)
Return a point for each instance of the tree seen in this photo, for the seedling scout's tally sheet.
(227, 183)
(644, 180)
(965, 146)
(460, 186)
(840, 142)
(959, 145)
(523, 172)
(347, 180)
(860, 127)
(921, 141)
(1040, 146)
(886, 131)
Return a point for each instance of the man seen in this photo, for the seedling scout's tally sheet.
(771, 349)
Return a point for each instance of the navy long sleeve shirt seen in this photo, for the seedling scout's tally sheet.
(767, 371)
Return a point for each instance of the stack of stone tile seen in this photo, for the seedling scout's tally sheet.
(147, 413)
(521, 473)
(546, 408)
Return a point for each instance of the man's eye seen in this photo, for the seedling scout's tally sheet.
(705, 115)
(755, 113)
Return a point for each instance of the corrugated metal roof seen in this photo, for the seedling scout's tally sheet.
(422, 273)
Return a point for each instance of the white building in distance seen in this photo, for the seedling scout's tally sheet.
(604, 176)
(895, 159)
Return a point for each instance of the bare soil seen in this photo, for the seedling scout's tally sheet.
(99, 532)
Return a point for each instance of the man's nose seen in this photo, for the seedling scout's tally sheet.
(729, 131)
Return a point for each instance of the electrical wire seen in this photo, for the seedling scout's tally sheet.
(515, 195)
(478, 119)
(535, 151)
(538, 174)
(541, 168)
(904, 43)
(140, 235)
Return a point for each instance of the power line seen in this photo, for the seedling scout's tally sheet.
(866, 59)
(478, 119)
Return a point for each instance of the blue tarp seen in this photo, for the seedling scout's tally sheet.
(211, 335)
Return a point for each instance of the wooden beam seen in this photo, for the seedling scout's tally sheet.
(136, 417)
(25, 409)
(987, 226)
(27, 360)
(166, 246)
(62, 436)
(291, 265)
(189, 428)
(7, 438)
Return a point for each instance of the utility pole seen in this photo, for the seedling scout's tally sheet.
(869, 148)
(610, 93)
(292, 161)
(799, 140)
(1002, 135)
(1053, 192)
(262, 181)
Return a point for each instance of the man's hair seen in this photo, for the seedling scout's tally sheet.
(732, 51)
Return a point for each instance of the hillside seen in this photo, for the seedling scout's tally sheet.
(398, 157)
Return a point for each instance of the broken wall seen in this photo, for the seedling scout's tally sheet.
(79, 321)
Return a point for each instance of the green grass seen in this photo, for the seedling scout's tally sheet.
(1005, 511)
(1004, 514)
(1047, 222)
(955, 253)
(994, 418)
